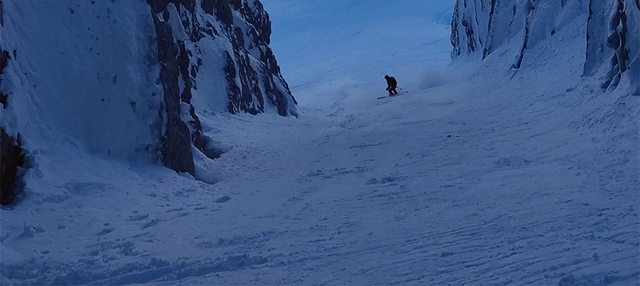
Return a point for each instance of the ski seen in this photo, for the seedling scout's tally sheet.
(399, 93)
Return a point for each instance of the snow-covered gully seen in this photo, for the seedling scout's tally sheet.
(479, 174)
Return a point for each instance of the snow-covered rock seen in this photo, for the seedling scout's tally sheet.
(131, 79)
(201, 44)
(612, 37)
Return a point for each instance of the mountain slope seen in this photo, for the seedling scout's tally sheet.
(487, 177)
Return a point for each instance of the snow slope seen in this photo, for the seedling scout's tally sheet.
(485, 177)
(51, 91)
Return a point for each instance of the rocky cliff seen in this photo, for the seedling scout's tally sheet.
(252, 75)
(131, 79)
(479, 27)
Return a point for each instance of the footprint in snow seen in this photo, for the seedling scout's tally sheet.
(223, 199)
(137, 217)
(151, 223)
(388, 179)
(105, 231)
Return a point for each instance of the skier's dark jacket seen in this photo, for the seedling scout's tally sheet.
(391, 81)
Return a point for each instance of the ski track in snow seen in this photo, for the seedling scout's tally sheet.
(444, 192)
(483, 181)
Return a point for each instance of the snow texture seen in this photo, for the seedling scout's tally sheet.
(478, 175)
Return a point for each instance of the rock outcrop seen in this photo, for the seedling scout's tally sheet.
(612, 42)
(131, 79)
(253, 78)
(11, 154)
(613, 37)
(11, 160)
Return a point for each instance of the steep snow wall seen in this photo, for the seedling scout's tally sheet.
(129, 79)
(612, 49)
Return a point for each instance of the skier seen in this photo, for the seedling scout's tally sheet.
(392, 85)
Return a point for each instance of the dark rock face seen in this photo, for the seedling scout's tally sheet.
(479, 25)
(11, 154)
(176, 151)
(253, 43)
(250, 68)
(467, 32)
(4, 59)
(617, 36)
(612, 41)
(11, 159)
(176, 143)
(462, 38)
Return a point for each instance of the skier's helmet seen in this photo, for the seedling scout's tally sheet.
(386, 76)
